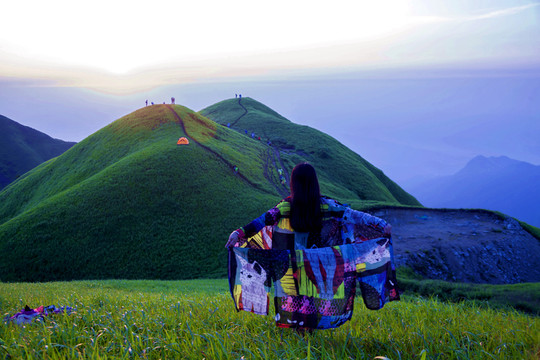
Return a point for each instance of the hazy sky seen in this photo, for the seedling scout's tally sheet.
(125, 46)
(68, 68)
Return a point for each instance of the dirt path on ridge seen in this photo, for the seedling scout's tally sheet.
(241, 116)
(277, 155)
(219, 156)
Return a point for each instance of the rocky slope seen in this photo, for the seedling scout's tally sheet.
(475, 246)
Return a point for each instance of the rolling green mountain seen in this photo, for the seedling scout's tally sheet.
(342, 173)
(23, 148)
(128, 202)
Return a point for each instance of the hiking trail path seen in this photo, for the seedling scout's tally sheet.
(241, 116)
(219, 156)
(272, 162)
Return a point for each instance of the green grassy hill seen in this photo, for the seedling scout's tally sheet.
(128, 202)
(342, 173)
(23, 148)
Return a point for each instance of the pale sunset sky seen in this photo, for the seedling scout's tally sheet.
(387, 68)
(132, 45)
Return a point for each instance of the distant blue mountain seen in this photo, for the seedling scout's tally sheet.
(493, 183)
(23, 148)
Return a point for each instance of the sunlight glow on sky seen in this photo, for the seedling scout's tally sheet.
(122, 45)
(120, 36)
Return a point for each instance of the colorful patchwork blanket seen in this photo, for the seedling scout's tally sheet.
(315, 288)
(27, 315)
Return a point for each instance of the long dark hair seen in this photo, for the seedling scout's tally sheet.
(305, 213)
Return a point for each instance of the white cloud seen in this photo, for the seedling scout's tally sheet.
(476, 17)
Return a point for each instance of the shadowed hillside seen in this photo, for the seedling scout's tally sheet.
(128, 202)
(23, 148)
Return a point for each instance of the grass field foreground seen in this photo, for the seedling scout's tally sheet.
(195, 319)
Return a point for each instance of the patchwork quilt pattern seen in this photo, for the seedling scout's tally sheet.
(315, 288)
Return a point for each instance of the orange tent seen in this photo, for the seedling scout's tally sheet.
(183, 141)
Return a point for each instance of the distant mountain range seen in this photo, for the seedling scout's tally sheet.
(129, 202)
(493, 183)
(23, 148)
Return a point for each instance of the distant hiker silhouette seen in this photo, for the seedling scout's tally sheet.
(172, 100)
(146, 102)
(281, 177)
(235, 95)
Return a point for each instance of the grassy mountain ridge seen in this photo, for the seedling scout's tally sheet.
(122, 203)
(128, 202)
(341, 171)
(22, 148)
